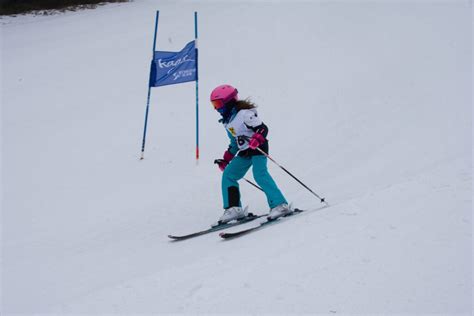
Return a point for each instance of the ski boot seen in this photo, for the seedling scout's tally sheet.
(233, 213)
(279, 211)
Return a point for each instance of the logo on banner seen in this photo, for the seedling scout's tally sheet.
(174, 63)
(174, 67)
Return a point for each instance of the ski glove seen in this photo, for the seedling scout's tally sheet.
(256, 140)
(222, 163)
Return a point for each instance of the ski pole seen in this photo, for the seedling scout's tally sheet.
(283, 168)
(248, 181)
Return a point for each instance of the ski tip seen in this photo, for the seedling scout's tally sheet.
(226, 236)
(176, 238)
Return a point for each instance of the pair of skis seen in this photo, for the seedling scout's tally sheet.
(251, 217)
(239, 233)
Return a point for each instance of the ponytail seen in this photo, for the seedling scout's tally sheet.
(245, 104)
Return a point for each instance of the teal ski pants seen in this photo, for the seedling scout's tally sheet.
(237, 169)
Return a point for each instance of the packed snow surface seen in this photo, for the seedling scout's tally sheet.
(368, 103)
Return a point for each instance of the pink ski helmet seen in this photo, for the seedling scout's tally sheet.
(223, 94)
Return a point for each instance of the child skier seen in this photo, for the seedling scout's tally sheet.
(247, 132)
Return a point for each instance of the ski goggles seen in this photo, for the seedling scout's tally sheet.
(218, 104)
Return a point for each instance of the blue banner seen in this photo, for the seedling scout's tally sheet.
(174, 67)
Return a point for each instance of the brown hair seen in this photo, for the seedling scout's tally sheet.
(245, 104)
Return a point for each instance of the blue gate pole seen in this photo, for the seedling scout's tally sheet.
(197, 86)
(149, 89)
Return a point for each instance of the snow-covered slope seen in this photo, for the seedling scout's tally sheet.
(369, 103)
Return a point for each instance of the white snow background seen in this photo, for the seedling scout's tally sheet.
(368, 103)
